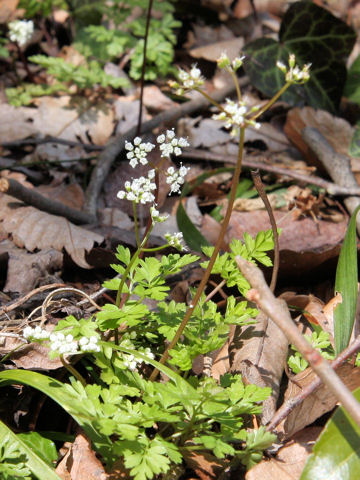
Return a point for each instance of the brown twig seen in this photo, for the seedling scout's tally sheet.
(290, 404)
(330, 187)
(113, 149)
(277, 310)
(337, 165)
(25, 298)
(50, 139)
(32, 197)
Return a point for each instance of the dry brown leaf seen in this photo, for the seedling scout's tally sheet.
(290, 459)
(34, 229)
(7, 10)
(304, 243)
(205, 465)
(316, 404)
(33, 356)
(337, 131)
(154, 99)
(212, 52)
(71, 195)
(26, 271)
(80, 462)
(55, 117)
(268, 371)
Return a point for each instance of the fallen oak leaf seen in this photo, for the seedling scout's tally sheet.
(34, 229)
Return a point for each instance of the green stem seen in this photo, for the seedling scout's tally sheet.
(73, 371)
(270, 102)
(134, 258)
(211, 100)
(212, 260)
(156, 249)
(137, 236)
(237, 86)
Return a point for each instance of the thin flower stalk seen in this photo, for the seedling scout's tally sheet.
(212, 260)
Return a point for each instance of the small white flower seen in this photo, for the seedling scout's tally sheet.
(188, 80)
(156, 217)
(294, 74)
(175, 240)
(170, 144)
(137, 152)
(176, 178)
(235, 115)
(21, 31)
(139, 190)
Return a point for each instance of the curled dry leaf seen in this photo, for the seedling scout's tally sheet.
(316, 404)
(34, 229)
(80, 462)
(337, 131)
(33, 356)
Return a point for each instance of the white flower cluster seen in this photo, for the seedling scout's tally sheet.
(175, 240)
(131, 362)
(294, 74)
(138, 151)
(156, 217)
(170, 144)
(21, 31)
(64, 344)
(187, 80)
(176, 178)
(235, 115)
(140, 189)
(224, 62)
(36, 333)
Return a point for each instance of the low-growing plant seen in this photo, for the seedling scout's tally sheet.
(127, 414)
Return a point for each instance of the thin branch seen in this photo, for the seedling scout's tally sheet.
(292, 403)
(32, 197)
(49, 139)
(330, 187)
(279, 314)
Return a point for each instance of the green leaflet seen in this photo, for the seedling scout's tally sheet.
(336, 454)
(33, 462)
(346, 284)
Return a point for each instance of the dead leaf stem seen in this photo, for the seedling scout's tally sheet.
(277, 310)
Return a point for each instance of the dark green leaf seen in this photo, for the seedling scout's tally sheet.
(346, 284)
(192, 236)
(336, 454)
(315, 36)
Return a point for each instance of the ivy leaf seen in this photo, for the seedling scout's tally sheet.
(354, 148)
(315, 36)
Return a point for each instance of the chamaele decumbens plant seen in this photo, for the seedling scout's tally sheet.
(127, 414)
